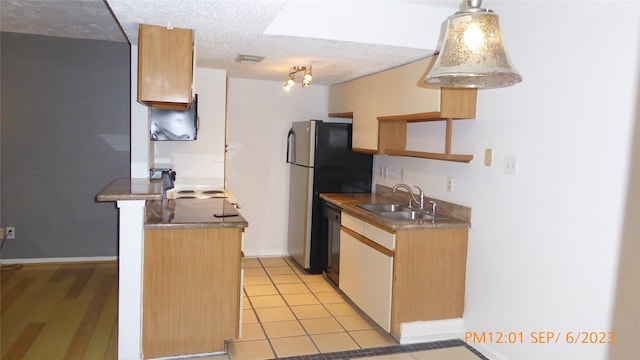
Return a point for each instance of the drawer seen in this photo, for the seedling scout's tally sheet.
(380, 236)
(370, 231)
(352, 223)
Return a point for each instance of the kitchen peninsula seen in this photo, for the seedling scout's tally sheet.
(168, 250)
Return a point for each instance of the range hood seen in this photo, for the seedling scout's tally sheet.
(174, 125)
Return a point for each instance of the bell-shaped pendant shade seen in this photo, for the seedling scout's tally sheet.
(473, 54)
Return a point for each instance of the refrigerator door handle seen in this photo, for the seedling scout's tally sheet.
(291, 140)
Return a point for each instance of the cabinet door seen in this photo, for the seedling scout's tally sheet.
(165, 66)
(366, 276)
(191, 296)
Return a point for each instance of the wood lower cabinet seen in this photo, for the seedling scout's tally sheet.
(403, 276)
(366, 262)
(191, 290)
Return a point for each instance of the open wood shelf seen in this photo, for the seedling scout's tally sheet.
(392, 137)
(342, 115)
(430, 155)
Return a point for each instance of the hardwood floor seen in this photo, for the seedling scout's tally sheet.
(59, 311)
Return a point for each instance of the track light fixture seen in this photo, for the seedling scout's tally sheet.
(306, 79)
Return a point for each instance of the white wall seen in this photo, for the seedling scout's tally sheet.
(201, 162)
(259, 116)
(544, 244)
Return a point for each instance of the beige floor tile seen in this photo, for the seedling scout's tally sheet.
(249, 317)
(252, 332)
(334, 342)
(404, 356)
(257, 280)
(280, 329)
(280, 270)
(299, 288)
(321, 286)
(294, 346)
(341, 309)
(259, 290)
(257, 271)
(286, 279)
(331, 297)
(454, 353)
(250, 350)
(273, 262)
(251, 263)
(308, 278)
(321, 325)
(373, 338)
(292, 262)
(275, 314)
(245, 303)
(356, 322)
(310, 311)
(300, 299)
(267, 301)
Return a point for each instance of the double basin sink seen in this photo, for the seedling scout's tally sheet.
(399, 212)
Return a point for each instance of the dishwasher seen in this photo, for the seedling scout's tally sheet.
(332, 214)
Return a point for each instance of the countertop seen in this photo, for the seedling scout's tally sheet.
(192, 213)
(347, 201)
(178, 213)
(130, 189)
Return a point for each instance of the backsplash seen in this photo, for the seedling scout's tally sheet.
(442, 207)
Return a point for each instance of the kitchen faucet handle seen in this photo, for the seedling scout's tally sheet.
(421, 197)
(433, 207)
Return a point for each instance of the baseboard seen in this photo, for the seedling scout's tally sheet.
(425, 331)
(60, 260)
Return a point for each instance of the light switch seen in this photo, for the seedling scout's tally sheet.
(511, 165)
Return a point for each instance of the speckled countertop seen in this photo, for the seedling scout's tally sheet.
(130, 189)
(347, 203)
(179, 213)
(192, 213)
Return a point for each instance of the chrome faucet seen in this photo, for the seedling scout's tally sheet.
(413, 196)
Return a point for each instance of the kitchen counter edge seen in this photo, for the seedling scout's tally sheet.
(347, 201)
(130, 189)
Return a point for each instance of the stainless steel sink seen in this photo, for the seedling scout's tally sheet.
(399, 212)
(376, 208)
(407, 215)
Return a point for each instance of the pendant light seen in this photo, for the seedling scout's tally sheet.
(473, 54)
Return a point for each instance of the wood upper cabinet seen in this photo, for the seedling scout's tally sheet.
(165, 67)
(191, 290)
(392, 93)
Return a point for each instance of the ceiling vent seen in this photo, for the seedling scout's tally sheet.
(249, 59)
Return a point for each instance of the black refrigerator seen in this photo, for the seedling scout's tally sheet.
(321, 161)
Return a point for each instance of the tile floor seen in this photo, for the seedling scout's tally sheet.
(289, 313)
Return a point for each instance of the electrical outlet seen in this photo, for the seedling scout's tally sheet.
(403, 175)
(11, 233)
(449, 184)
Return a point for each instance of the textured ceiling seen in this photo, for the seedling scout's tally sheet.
(342, 40)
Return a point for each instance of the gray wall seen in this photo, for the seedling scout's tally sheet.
(64, 135)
